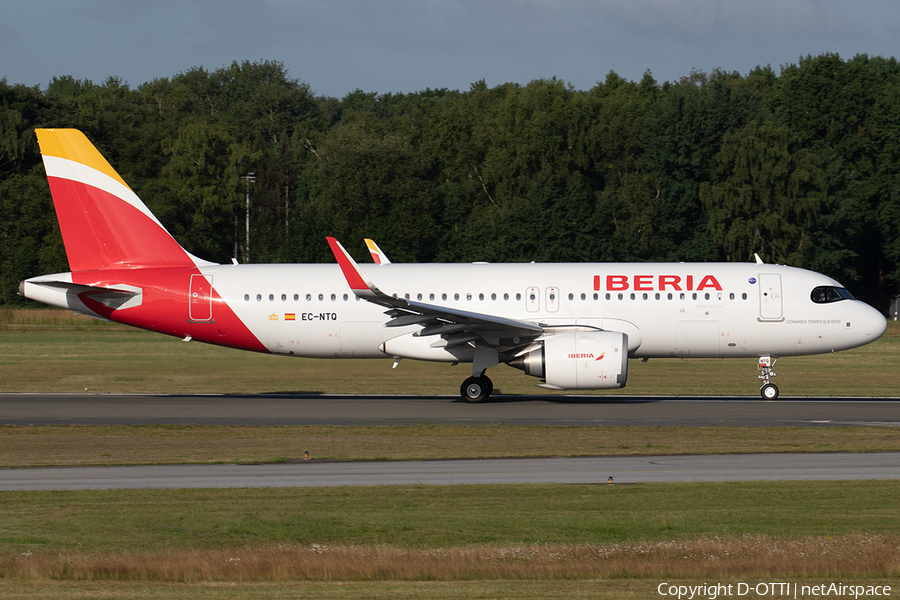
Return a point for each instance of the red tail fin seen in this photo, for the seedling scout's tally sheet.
(104, 224)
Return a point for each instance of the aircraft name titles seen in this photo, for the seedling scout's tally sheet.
(654, 283)
(814, 321)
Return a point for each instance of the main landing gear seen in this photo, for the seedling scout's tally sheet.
(769, 391)
(476, 389)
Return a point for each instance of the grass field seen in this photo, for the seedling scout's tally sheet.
(442, 542)
(174, 444)
(413, 533)
(54, 351)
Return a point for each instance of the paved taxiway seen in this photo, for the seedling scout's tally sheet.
(108, 409)
(624, 470)
(317, 409)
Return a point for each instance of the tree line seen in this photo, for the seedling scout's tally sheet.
(801, 166)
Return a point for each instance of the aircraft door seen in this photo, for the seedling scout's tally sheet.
(770, 301)
(200, 304)
(532, 299)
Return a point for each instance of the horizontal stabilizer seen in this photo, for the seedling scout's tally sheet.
(47, 290)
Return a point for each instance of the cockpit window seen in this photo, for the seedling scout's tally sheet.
(825, 294)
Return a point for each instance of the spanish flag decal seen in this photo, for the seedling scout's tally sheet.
(290, 316)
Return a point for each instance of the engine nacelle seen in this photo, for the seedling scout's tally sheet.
(594, 360)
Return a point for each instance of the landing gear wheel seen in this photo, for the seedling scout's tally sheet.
(476, 389)
(769, 391)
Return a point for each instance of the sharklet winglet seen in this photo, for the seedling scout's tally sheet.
(356, 279)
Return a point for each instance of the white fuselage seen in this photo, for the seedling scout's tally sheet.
(666, 309)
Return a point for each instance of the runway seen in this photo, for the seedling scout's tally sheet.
(623, 470)
(116, 409)
(319, 409)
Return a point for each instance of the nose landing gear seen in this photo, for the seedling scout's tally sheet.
(768, 391)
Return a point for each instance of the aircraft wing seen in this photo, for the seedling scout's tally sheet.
(454, 326)
(378, 255)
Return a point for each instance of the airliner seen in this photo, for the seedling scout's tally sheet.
(572, 326)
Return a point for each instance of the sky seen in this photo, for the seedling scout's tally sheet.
(403, 46)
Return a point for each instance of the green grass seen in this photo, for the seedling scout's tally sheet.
(441, 516)
(55, 352)
(173, 444)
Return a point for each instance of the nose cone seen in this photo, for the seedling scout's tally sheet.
(876, 325)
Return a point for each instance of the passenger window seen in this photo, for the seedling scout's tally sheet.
(309, 297)
(259, 297)
(246, 297)
(283, 297)
(321, 297)
(271, 297)
(296, 297)
(333, 297)
(346, 297)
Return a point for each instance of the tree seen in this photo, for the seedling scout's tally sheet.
(769, 193)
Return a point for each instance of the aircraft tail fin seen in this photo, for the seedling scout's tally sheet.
(103, 222)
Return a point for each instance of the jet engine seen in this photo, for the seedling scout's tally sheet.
(592, 360)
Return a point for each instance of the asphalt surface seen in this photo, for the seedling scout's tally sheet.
(110, 409)
(142, 409)
(623, 470)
